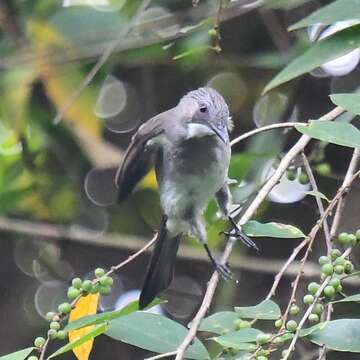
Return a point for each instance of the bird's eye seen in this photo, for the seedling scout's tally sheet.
(203, 109)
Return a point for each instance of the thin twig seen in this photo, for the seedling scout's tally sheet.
(285, 162)
(318, 200)
(161, 356)
(102, 60)
(264, 128)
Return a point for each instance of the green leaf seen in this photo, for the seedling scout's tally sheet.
(336, 11)
(154, 333)
(271, 229)
(351, 298)
(319, 53)
(219, 322)
(266, 310)
(350, 102)
(318, 194)
(334, 132)
(107, 316)
(238, 339)
(96, 331)
(310, 330)
(18, 355)
(339, 335)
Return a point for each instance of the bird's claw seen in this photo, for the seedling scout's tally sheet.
(223, 270)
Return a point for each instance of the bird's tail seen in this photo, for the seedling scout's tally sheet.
(161, 266)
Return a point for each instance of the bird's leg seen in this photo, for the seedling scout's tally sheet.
(236, 233)
(222, 270)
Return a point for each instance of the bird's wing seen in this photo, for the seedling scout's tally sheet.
(140, 155)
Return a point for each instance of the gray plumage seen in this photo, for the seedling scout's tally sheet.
(189, 146)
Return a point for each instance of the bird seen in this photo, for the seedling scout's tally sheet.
(190, 149)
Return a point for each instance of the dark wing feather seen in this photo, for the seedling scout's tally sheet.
(139, 156)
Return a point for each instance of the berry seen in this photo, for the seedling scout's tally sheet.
(339, 269)
(54, 325)
(104, 290)
(262, 339)
(61, 335)
(244, 324)
(278, 341)
(308, 299)
(329, 291)
(344, 238)
(335, 282)
(212, 32)
(357, 234)
(348, 267)
(32, 357)
(76, 283)
(99, 272)
(339, 289)
(252, 348)
(318, 309)
(339, 261)
(64, 308)
(106, 281)
(72, 293)
(313, 287)
(335, 253)
(314, 318)
(237, 324)
(352, 240)
(323, 169)
(95, 288)
(303, 179)
(261, 357)
(291, 325)
(327, 269)
(50, 315)
(39, 342)
(52, 334)
(294, 310)
(323, 260)
(291, 175)
(278, 323)
(87, 285)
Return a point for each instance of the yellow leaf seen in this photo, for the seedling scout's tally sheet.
(87, 305)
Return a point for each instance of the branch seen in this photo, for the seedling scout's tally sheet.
(102, 60)
(285, 162)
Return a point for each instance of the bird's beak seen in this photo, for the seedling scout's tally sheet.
(220, 132)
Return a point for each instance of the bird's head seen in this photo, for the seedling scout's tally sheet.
(208, 113)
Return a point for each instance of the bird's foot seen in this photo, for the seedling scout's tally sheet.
(238, 235)
(223, 270)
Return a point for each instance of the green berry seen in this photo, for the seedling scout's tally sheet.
(339, 261)
(327, 269)
(50, 315)
(314, 318)
(308, 299)
(32, 357)
(291, 175)
(104, 290)
(261, 357)
(52, 334)
(252, 348)
(76, 283)
(39, 342)
(99, 272)
(278, 341)
(357, 234)
(348, 267)
(313, 287)
(323, 169)
(95, 288)
(64, 308)
(323, 260)
(262, 339)
(352, 239)
(329, 291)
(318, 309)
(335, 282)
(291, 325)
(73, 293)
(303, 179)
(106, 281)
(335, 253)
(344, 238)
(237, 324)
(278, 323)
(61, 335)
(212, 32)
(54, 325)
(87, 285)
(244, 324)
(339, 269)
(294, 310)
(339, 289)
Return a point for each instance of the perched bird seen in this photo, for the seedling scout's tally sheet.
(189, 146)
